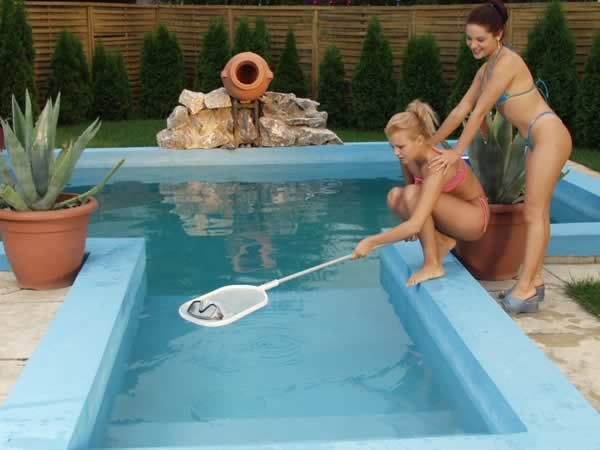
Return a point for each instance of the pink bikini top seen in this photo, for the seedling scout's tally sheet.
(453, 182)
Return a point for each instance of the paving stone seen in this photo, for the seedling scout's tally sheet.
(9, 372)
(22, 325)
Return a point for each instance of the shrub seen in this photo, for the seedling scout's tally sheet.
(587, 118)
(244, 37)
(421, 74)
(213, 56)
(288, 75)
(110, 86)
(333, 88)
(466, 69)
(373, 85)
(162, 73)
(262, 40)
(550, 55)
(70, 75)
(16, 57)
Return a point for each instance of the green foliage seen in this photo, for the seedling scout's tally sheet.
(466, 69)
(421, 74)
(38, 177)
(70, 76)
(110, 86)
(587, 118)
(162, 73)
(288, 75)
(498, 160)
(550, 55)
(373, 84)
(586, 292)
(213, 56)
(334, 90)
(244, 37)
(16, 56)
(262, 40)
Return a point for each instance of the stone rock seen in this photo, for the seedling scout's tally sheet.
(275, 133)
(247, 130)
(280, 106)
(179, 118)
(318, 120)
(182, 138)
(307, 105)
(219, 98)
(214, 126)
(316, 136)
(194, 101)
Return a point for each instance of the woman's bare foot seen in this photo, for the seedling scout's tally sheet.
(427, 272)
(444, 244)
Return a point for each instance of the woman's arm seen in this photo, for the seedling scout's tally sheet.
(430, 191)
(501, 78)
(460, 111)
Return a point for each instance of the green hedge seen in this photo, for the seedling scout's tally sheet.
(334, 90)
(70, 75)
(110, 87)
(162, 73)
(16, 57)
(587, 119)
(466, 69)
(421, 75)
(213, 56)
(288, 75)
(373, 84)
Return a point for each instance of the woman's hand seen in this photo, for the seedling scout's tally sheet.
(444, 160)
(363, 248)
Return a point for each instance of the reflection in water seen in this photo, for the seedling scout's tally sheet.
(327, 347)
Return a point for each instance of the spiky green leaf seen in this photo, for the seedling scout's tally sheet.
(20, 164)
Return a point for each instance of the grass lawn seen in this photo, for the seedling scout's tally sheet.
(589, 158)
(586, 292)
(142, 133)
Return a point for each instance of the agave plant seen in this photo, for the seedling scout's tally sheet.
(34, 177)
(497, 155)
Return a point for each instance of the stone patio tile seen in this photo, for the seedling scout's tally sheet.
(568, 272)
(9, 372)
(22, 325)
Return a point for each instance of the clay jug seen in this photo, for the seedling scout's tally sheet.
(246, 76)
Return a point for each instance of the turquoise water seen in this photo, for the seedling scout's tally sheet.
(327, 359)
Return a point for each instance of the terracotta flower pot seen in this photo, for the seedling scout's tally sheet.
(45, 249)
(499, 253)
(246, 76)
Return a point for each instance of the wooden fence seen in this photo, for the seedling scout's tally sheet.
(122, 27)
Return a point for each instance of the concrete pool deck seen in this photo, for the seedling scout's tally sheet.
(567, 334)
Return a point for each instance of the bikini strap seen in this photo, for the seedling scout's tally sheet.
(543, 88)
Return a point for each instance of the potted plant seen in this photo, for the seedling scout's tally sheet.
(43, 228)
(497, 156)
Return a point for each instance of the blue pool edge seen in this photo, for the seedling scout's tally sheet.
(57, 398)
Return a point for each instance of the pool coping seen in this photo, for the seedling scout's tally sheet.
(42, 411)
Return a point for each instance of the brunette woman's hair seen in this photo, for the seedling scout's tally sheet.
(492, 15)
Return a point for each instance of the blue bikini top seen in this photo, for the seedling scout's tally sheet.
(539, 84)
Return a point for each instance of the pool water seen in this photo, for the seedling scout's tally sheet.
(328, 358)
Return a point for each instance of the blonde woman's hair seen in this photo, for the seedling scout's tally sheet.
(419, 118)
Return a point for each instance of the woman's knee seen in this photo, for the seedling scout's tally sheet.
(410, 196)
(394, 198)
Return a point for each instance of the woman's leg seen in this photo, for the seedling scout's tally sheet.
(544, 165)
(437, 237)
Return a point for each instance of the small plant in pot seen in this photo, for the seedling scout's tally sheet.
(43, 228)
(497, 155)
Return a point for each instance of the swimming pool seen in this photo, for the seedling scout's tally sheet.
(344, 358)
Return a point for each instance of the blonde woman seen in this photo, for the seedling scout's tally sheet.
(437, 207)
(505, 82)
